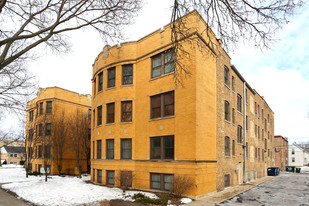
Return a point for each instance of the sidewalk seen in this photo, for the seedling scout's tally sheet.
(7, 199)
(216, 197)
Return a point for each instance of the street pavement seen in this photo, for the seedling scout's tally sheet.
(287, 189)
(6, 199)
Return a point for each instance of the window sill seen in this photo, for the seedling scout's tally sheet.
(109, 88)
(112, 123)
(126, 122)
(227, 157)
(239, 112)
(227, 121)
(163, 75)
(161, 118)
(126, 85)
(227, 86)
(161, 160)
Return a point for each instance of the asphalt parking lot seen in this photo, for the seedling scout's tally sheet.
(287, 189)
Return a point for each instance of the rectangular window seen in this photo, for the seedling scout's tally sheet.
(239, 134)
(109, 149)
(99, 149)
(259, 154)
(40, 130)
(258, 111)
(162, 105)
(259, 132)
(31, 116)
(233, 83)
(126, 111)
(99, 113)
(99, 176)
(162, 147)
(161, 181)
(255, 130)
(162, 63)
(233, 148)
(239, 103)
(227, 111)
(100, 86)
(226, 76)
(13, 155)
(30, 153)
(89, 115)
(233, 116)
(30, 134)
(127, 74)
(226, 180)
(111, 73)
(94, 86)
(110, 177)
(47, 151)
(255, 108)
(93, 149)
(41, 108)
(293, 159)
(40, 148)
(255, 153)
(227, 146)
(93, 120)
(110, 113)
(49, 107)
(48, 129)
(126, 149)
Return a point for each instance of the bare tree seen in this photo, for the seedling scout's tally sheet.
(26, 24)
(80, 124)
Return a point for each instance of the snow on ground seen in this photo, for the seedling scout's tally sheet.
(61, 190)
(304, 169)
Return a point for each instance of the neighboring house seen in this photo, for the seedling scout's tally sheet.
(206, 128)
(281, 152)
(13, 155)
(11, 143)
(58, 133)
(298, 157)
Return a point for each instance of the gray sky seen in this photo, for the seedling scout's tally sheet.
(280, 74)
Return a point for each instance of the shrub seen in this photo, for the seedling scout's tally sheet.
(182, 184)
(125, 178)
(34, 173)
(22, 162)
(141, 198)
(4, 163)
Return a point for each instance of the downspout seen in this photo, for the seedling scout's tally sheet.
(245, 133)
(281, 163)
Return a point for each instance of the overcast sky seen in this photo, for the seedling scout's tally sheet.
(280, 75)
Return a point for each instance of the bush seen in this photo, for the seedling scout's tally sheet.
(34, 173)
(125, 178)
(4, 163)
(22, 162)
(182, 184)
(141, 198)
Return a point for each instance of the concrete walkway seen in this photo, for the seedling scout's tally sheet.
(216, 197)
(6, 199)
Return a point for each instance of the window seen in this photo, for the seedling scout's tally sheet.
(110, 113)
(233, 148)
(268, 117)
(239, 106)
(93, 174)
(255, 130)
(30, 152)
(226, 76)
(40, 130)
(259, 132)
(162, 63)
(89, 114)
(41, 108)
(161, 181)
(40, 151)
(227, 146)
(255, 108)
(258, 111)
(293, 151)
(109, 149)
(255, 154)
(13, 155)
(127, 74)
(293, 159)
(125, 178)
(265, 124)
(233, 116)
(227, 111)
(99, 149)
(239, 134)
(49, 107)
(226, 180)
(162, 147)
(262, 114)
(259, 154)
(93, 149)
(126, 149)
(99, 111)
(265, 144)
(111, 73)
(30, 134)
(110, 177)
(233, 83)
(100, 86)
(126, 111)
(48, 129)
(99, 176)
(93, 117)
(47, 151)
(31, 116)
(162, 105)
(94, 86)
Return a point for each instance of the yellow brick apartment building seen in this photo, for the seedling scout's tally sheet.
(144, 123)
(58, 134)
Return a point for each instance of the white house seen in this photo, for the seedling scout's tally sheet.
(297, 156)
